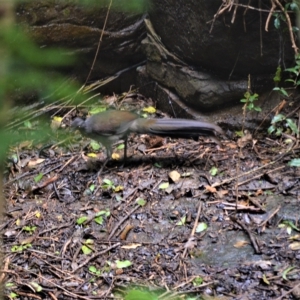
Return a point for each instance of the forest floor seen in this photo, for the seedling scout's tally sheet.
(182, 219)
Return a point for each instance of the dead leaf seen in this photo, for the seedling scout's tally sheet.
(240, 244)
(222, 193)
(131, 246)
(35, 162)
(243, 141)
(115, 156)
(110, 100)
(56, 123)
(174, 175)
(210, 189)
(259, 192)
(149, 109)
(263, 264)
(231, 145)
(25, 145)
(191, 243)
(295, 246)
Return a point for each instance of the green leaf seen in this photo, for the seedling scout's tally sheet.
(86, 250)
(292, 125)
(281, 90)
(277, 23)
(123, 264)
(253, 97)
(284, 92)
(239, 133)
(139, 295)
(163, 185)
(26, 246)
(292, 70)
(290, 80)
(265, 279)
(95, 146)
(279, 131)
(247, 95)
(197, 281)
(285, 272)
(36, 286)
(38, 177)
(29, 229)
(16, 248)
(213, 171)
(92, 187)
(277, 118)
(96, 109)
(119, 198)
(108, 182)
(141, 202)
(291, 224)
(28, 124)
(277, 77)
(201, 227)
(13, 295)
(181, 221)
(93, 269)
(294, 162)
(81, 220)
(294, 6)
(14, 158)
(99, 220)
(103, 212)
(121, 146)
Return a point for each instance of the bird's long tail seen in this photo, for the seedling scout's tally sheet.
(177, 128)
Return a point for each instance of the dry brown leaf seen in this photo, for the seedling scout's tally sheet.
(244, 140)
(240, 244)
(295, 246)
(191, 243)
(174, 175)
(35, 162)
(231, 145)
(131, 246)
(210, 189)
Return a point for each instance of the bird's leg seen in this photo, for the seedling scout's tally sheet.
(103, 165)
(125, 149)
(108, 156)
(109, 153)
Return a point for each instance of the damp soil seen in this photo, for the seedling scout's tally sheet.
(180, 218)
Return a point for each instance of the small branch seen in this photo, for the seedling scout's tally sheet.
(252, 239)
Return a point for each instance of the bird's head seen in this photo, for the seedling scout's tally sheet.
(78, 123)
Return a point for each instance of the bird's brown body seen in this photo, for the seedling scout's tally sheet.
(110, 126)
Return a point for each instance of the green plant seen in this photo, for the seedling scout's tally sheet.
(29, 229)
(249, 100)
(282, 16)
(294, 76)
(295, 71)
(280, 122)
